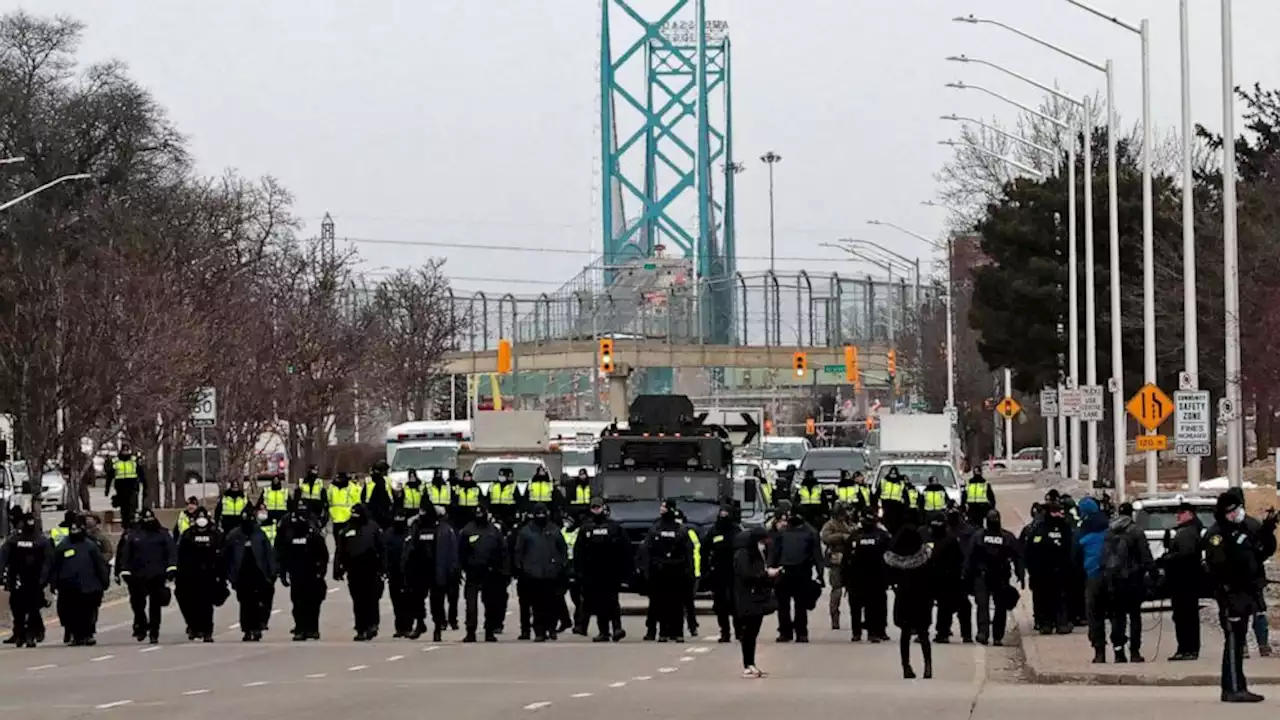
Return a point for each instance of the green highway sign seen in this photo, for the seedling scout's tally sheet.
(651, 266)
(833, 368)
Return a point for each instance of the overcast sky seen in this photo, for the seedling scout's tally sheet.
(467, 122)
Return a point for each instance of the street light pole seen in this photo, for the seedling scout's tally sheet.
(771, 158)
(42, 188)
(1230, 258)
(1190, 331)
(12, 160)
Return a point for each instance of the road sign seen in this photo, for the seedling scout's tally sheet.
(833, 368)
(1150, 406)
(1008, 407)
(1192, 434)
(1152, 443)
(742, 424)
(205, 412)
(1049, 403)
(1092, 406)
(1069, 402)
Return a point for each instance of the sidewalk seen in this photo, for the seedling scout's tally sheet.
(1054, 659)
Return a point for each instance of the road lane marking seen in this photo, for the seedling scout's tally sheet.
(394, 658)
(149, 649)
(42, 667)
(333, 590)
(100, 658)
(699, 650)
(202, 691)
(620, 683)
(642, 677)
(357, 668)
(276, 611)
(233, 626)
(317, 676)
(431, 648)
(688, 658)
(667, 670)
(116, 704)
(711, 638)
(581, 695)
(537, 705)
(255, 683)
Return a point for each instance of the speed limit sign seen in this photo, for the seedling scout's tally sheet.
(205, 412)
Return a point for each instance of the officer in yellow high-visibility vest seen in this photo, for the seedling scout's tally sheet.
(227, 513)
(578, 619)
(186, 517)
(852, 492)
(690, 613)
(934, 498)
(467, 497)
(578, 496)
(542, 489)
(810, 500)
(275, 499)
(343, 495)
(411, 499)
(978, 498)
(893, 499)
(503, 498)
(59, 532)
(312, 495)
(127, 476)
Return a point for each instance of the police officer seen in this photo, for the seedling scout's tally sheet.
(185, 517)
(809, 500)
(691, 612)
(467, 498)
(312, 496)
(1050, 560)
(994, 560)
(342, 496)
(600, 559)
(146, 559)
(541, 558)
(127, 476)
(979, 498)
(430, 565)
(376, 494)
(79, 576)
(578, 496)
(304, 561)
(542, 490)
(202, 574)
(865, 578)
(25, 561)
(570, 531)
(717, 569)
(482, 554)
(1184, 577)
(361, 560)
(850, 492)
(393, 541)
(439, 492)
(411, 497)
(275, 499)
(503, 498)
(1233, 556)
(798, 551)
(668, 557)
(893, 499)
(231, 506)
(59, 532)
(934, 497)
(252, 571)
(950, 548)
(766, 488)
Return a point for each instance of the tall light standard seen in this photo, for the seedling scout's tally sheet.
(887, 260)
(42, 188)
(1143, 31)
(1117, 357)
(1090, 293)
(1231, 259)
(771, 158)
(12, 160)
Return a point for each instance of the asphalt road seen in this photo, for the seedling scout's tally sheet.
(567, 680)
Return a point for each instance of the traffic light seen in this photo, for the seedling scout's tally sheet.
(871, 422)
(810, 427)
(606, 355)
(768, 427)
(851, 364)
(504, 357)
(893, 362)
(800, 364)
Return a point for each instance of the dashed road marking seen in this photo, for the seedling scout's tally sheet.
(357, 668)
(317, 676)
(255, 683)
(642, 677)
(116, 704)
(431, 648)
(537, 705)
(394, 658)
(233, 626)
(42, 667)
(667, 670)
(618, 684)
(149, 649)
(333, 590)
(688, 658)
(202, 691)
(275, 611)
(581, 695)
(100, 658)
(699, 650)
(710, 638)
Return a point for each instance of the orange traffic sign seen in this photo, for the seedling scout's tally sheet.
(1150, 406)
(1008, 407)
(1153, 443)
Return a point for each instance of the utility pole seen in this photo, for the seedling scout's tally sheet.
(771, 158)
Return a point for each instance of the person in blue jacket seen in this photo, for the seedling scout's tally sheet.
(1089, 540)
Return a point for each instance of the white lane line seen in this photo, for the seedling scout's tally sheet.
(699, 650)
(431, 648)
(149, 649)
(202, 691)
(688, 658)
(116, 704)
(357, 668)
(620, 683)
(642, 677)
(233, 626)
(394, 658)
(667, 670)
(711, 638)
(41, 667)
(317, 676)
(255, 683)
(100, 658)
(276, 611)
(333, 590)
(581, 695)
(537, 705)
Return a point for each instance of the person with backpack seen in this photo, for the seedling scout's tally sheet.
(1126, 562)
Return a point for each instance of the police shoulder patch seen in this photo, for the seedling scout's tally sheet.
(1215, 540)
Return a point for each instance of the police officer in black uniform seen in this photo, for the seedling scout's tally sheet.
(146, 559)
(865, 578)
(798, 551)
(1050, 561)
(994, 560)
(304, 562)
(25, 561)
(717, 569)
(602, 558)
(202, 574)
(430, 564)
(360, 560)
(668, 556)
(483, 556)
(79, 575)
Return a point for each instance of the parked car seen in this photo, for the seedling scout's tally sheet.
(1026, 460)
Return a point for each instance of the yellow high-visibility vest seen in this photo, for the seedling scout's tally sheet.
(276, 499)
(412, 498)
(367, 491)
(697, 553)
(976, 492)
(443, 495)
(311, 491)
(184, 522)
(913, 497)
(341, 500)
(767, 490)
(570, 539)
(126, 469)
(582, 495)
(468, 496)
(232, 506)
(500, 494)
(269, 529)
(847, 493)
(58, 533)
(541, 491)
(935, 500)
(891, 490)
(810, 495)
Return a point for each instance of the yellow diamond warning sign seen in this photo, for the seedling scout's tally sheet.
(1008, 407)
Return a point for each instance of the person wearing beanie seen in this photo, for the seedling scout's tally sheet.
(907, 562)
(601, 557)
(668, 567)
(994, 560)
(717, 568)
(541, 558)
(1126, 563)
(1234, 552)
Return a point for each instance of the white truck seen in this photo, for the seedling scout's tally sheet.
(519, 440)
(921, 446)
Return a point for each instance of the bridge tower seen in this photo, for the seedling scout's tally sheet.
(667, 148)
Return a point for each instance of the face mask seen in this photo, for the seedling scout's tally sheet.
(1236, 516)
(152, 524)
(262, 517)
(77, 533)
(357, 519)
(125, 455)
(540, 519)
(202, 522)
(275, 484)
(400, 522)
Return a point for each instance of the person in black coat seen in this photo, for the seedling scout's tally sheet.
(1235, 548)
(252, 571)
(753, 582)
(667, 557)
(994, 560)
(541, 557)
(482, 555)
(430, 564)
(948, 563)
(393, 541)
(907, 562)
(717, 569)
(797, 549)
(202, 574)
(602, 560)
(304, 562)
(25, 561)
(361, 561)
(1050, 561)
(146, 559)
(1184, 576)
(864, 577)
(79, 575)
